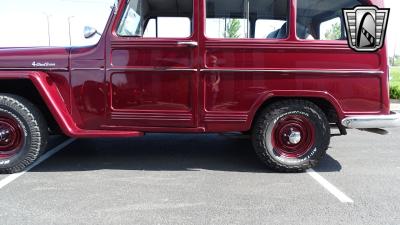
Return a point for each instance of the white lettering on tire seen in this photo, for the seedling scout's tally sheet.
(4, 162)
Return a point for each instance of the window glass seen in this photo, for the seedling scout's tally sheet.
(265, 19)
(322, 19)
(331, 29)
(157, 19)
(226, 28)
(151, 29)
(165, 27)
(174, 27)
(129, 25)
(266, 27)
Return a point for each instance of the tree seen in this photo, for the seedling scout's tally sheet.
(232, 29)
(396, 60)
(334, 33)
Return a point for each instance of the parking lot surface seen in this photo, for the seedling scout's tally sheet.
(204, 179)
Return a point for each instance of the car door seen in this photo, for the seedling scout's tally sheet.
(152, 64)
(244, 44)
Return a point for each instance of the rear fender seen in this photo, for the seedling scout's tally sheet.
(295, 94)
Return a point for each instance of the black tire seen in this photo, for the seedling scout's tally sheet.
(271, 139)
(30, 136)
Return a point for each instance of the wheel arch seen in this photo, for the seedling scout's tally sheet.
(27, 90)
(326, 102)
(52, 99)
(50, 96)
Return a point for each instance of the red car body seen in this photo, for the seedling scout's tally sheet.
(127, 86)
(105, 90)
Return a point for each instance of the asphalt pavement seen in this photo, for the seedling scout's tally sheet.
(204, 179)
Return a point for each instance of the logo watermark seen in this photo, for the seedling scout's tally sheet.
(366, 27)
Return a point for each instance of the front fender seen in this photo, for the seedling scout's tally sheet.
(54, 102)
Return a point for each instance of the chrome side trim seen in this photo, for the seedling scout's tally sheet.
(153, 69)
(295, 71)
(225, 117)
(378, 121)
(151, 116)
(101, 69)
(36, 69)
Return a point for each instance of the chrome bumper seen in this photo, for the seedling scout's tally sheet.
(366, 122)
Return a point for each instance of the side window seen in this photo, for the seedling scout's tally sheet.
(157, 19)
(226, 28)
(163, 27)
(322, 19)
(132, 20)
(331, 29)
(266, 27)
(151, 29)
(247, 19)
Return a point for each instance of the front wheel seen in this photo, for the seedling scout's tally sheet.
(23, 133)
(291, 135)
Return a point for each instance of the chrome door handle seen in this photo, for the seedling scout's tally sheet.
(188, 43)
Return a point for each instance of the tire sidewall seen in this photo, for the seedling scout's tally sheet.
(25, 144)
(317, 149)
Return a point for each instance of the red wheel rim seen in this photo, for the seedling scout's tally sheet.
(293, 136)
(11, 136)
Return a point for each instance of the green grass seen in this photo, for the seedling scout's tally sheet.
(395, 82)
(397, 61)
(395, 75)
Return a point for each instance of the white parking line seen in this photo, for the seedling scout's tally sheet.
(330, 187)
(45, 156)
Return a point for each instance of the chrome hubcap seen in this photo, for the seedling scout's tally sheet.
(4, 134)
(294, 137)
(11, 137)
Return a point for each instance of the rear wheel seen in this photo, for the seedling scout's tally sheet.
(23, 133)
(291, 135)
